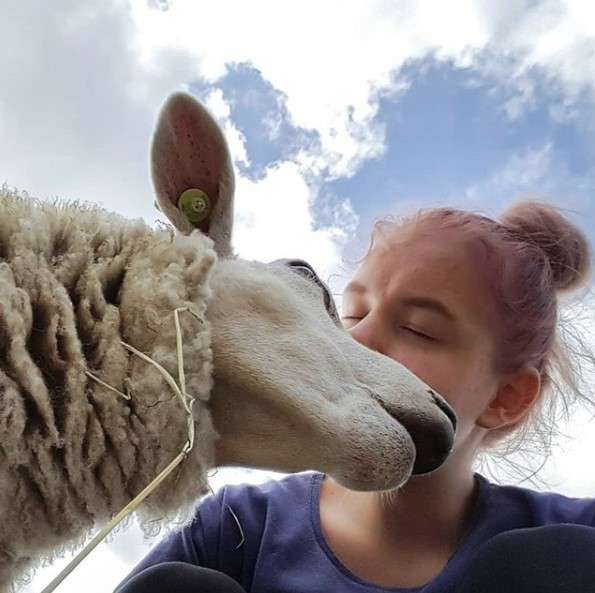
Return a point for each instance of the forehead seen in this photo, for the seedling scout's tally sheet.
(443, 266)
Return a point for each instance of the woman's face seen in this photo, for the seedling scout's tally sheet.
(422, 301)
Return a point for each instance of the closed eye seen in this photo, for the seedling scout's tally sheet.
(419, 334)
(304, 269)
(407, 329)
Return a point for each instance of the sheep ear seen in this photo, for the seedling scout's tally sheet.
(192, 171)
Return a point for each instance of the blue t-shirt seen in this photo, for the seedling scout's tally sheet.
(283, 548)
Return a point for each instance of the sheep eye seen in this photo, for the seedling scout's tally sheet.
(304, 269)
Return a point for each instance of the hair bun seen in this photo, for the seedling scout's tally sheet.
(564, 244)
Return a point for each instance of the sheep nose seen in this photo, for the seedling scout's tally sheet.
(448, 411)
(433, 443)
(432, 447)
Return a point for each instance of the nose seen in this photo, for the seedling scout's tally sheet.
(432, 446)
(433, 438)
(448, 411)
(368, 334)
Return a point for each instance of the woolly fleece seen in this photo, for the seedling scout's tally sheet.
(74, 281)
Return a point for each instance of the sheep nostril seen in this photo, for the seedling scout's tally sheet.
(450, 413)
(433, 440)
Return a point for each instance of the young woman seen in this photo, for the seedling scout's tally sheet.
(470, 305)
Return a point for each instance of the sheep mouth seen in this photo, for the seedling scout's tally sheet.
(433, 444)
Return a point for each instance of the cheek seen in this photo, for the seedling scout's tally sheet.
(469, 394)
(454, 379)
(458, 375)
(433, 369)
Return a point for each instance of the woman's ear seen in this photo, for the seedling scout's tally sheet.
(515, 397)
(192, 171)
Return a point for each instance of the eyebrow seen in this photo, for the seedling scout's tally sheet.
(431, 304)
(413, 301)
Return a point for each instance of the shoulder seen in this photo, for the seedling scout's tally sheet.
(286, 489)
(227, 530)
(254, 501)
(540, 507)
(232, 527)
(238, 512)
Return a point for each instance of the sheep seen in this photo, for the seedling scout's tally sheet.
(88, 304)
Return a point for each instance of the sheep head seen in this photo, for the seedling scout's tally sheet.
(293, 391)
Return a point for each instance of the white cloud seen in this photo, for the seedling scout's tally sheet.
(95, 564)
(552, 41)
(523, 97)
(535, 172)
(523, 171)
(216, 104)
(274, 220)
(78, 108)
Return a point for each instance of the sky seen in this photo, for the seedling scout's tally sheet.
(336, 114)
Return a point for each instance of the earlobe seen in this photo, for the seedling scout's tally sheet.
(514, 399)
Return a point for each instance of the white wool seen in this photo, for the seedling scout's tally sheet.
(76, 281)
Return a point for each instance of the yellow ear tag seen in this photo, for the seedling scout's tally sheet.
(195, 205)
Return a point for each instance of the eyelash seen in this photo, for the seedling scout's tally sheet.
(410, 330)
(423, 336)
